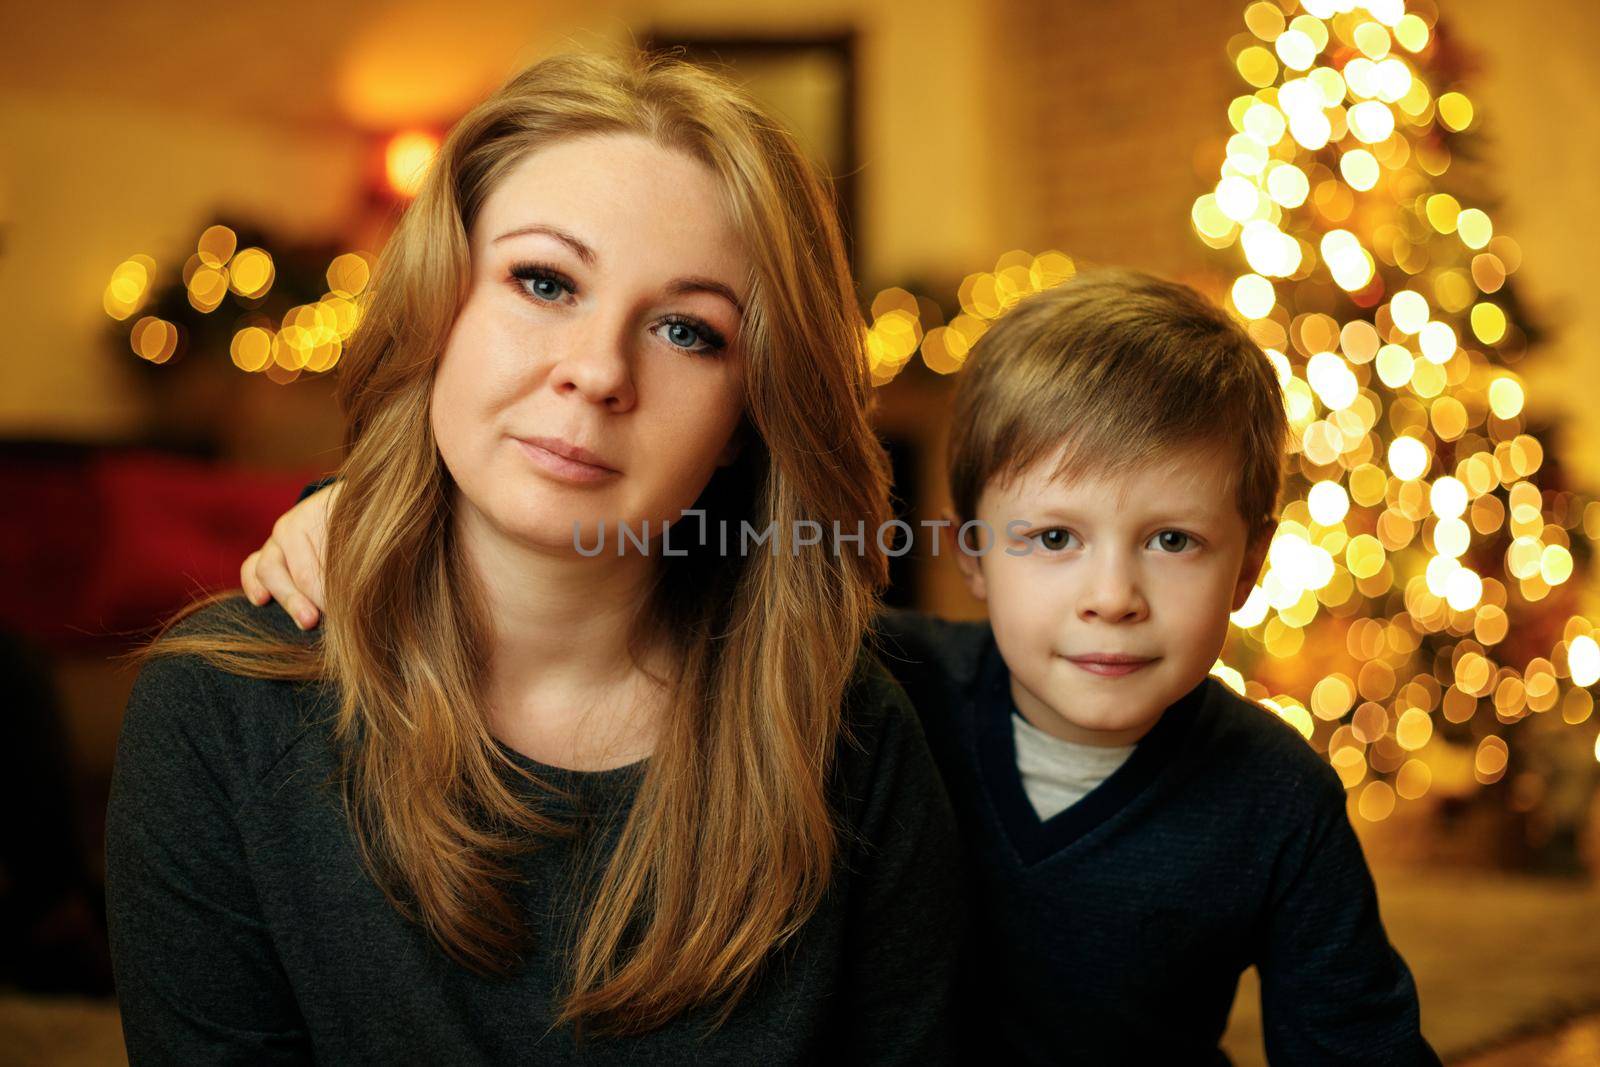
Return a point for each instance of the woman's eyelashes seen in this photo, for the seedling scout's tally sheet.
(691, 335)
(546, 285)
(543, 285)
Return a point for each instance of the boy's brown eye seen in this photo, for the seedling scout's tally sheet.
(1055, 539)
(1172, 540)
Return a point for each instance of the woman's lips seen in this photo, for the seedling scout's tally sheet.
(1110, 665)
(561, 467)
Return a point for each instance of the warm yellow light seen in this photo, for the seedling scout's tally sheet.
(1395, 365)
(1394, 82)
(1287, 185)
(1253, 296)
(348, 274)
(217, 245)
(1455, 111)
(1437, 341)
(1443, 210)
(1372, 39)
(1265, 124)
(251, 273)
(406, 160)
(251, 349)
(1264, 19)
(1409, 310)
(1505, 398)
(1463, 589)
(1349, 263)
(1408, 458)
(1413, 729)
(1237, 197)
(1364, 555)
(1331, 378)
(1371, 121)
(1488, 322)
(1268, 250)
(1555, 564)
(1360, 169)
(1296, 50)
(1583, 660)
(1474, 228)
(129, 286)
(1257, 66)
(1452, 538)
(1412, 33)
(1448, 497)
(1328, 503)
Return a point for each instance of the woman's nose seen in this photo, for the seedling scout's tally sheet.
(595, 364)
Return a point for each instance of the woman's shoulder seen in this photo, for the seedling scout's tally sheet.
(190, 710)
(880, 733)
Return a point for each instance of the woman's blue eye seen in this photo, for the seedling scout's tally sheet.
(1172, 540)
(1055, 539)
(542, 284)
(546, 288)
(692, 336)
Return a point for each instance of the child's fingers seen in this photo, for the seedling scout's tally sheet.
(254, 591)
(273, 571)
(305, 565)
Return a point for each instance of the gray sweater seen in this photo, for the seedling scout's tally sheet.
(244, 928)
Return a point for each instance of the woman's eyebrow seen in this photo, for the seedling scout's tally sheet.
(581, 250)
(692, 284)
(706, 285)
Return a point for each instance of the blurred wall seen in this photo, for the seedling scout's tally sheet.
(984, 126)
(126, 125)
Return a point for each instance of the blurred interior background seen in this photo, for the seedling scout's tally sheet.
(190, 199)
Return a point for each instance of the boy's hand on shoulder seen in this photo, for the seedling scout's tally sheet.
(289, 567)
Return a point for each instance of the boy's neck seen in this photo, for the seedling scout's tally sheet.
(1041, 715)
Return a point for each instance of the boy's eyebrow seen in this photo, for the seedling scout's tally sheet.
(1174, 515)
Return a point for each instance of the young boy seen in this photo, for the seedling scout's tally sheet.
(1137, 833)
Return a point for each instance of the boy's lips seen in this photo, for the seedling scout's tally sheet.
(1110, 664)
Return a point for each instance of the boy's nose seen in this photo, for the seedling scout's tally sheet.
(594, 363)
(1112, 595)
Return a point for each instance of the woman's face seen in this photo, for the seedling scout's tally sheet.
(593, 372)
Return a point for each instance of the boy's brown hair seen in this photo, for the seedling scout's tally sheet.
(1116, 367)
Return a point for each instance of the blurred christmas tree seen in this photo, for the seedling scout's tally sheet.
(231, 309)
(1418, 616)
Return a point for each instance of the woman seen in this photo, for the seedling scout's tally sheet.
(520, 800)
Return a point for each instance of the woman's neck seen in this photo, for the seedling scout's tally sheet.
(563, 687)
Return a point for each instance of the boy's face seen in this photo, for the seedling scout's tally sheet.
(1121, 604)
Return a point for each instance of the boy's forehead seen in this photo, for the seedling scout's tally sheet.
(1192, 474)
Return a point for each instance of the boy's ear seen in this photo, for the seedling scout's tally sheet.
(971, 572)
(1255, 554)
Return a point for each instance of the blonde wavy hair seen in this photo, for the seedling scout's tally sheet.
(732, 841)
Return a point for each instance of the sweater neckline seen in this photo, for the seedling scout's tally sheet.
(569, 791)
(1036, 840)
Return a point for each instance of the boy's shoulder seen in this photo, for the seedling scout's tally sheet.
(1257, 749)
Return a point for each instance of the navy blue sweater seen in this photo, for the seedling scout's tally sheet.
(1116, 931)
